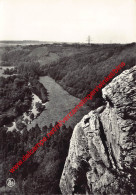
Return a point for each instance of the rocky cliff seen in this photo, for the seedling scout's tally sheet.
(102, 154)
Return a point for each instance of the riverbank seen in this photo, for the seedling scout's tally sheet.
(27, 117)
(60, 103)
(21, 105)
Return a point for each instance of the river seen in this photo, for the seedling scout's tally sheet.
(59, 105)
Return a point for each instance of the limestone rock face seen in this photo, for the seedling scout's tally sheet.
(102, 154)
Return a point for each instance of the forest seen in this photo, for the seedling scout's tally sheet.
(80, 73)
(42, 171)
(78, 69)
(16, 96)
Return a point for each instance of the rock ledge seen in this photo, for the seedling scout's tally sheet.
(102, 154)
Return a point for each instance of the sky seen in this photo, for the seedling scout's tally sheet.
(105, 21)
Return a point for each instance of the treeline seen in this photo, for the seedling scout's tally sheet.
(39, 89)
(31, 71)
(16, 96)
(10, 71)
(41, 173)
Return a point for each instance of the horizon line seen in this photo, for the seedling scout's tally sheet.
(65, 42)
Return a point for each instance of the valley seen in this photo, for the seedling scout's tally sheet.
(59, 105)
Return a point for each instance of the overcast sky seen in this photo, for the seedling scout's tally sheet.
(68, 20)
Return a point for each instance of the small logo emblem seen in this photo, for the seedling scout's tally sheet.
(10, 182)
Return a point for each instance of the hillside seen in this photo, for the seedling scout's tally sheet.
(80, 73)
(76, 67)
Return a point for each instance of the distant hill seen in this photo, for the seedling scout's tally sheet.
(18, 42)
